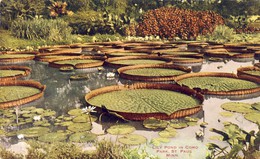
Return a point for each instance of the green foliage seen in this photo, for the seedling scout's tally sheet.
(239, 141)
(92, 22)
(59, 9)
(52, 30)
(23, 9)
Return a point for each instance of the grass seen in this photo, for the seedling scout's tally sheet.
(9, 42)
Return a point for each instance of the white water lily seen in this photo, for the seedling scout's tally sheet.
(20, 136)
(110, 75)
(37, 118)
(89, 109)
(199, 134)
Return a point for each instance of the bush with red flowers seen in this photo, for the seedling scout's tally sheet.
(171, 22)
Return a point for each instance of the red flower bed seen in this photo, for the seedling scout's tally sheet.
(170, 22)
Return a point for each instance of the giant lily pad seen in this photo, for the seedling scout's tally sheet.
(34, 131)
(238, 107)
(141, 103)
(219, 83)
(153, 123)
(79, 127)
(253, 117)
(132, 139)
(154, 72)
(83, 137)
(11, 93)
(53, 137)
(8, 73)
(120, 129)
(76, 61)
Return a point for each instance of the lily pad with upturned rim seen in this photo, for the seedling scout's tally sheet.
(132, 139)
(120, 129)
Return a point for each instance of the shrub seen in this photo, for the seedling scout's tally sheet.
(170, 22)
(52, 30)
(92, 22)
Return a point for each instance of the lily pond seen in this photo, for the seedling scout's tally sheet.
(64, 99)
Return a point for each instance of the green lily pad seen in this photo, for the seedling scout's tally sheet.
(157, 141)
(219, 138)
(79, 77)
(256, 106)
(253, 117)
(44, 123)
(179, 125)
(48, 112)
(153, 123)
(84, 118)
(192, 123)
(83, 137)
(238, 107)
(80, 127)
(191, 119)
(66, 68)
(132, 139)
(68, 118)
(28, 108)
(38, 110)
(203, 124)
(2, 132)
(120, 129)
(28, 115)
(34, 131)
(169, 132)
(75, 112)
(53, 137)
(226, 114)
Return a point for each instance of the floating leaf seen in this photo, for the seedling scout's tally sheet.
(191, 119)
(256, 106)
(253, 117)
(44, 123)
(75, 112)
(179, 125)
(80, 127)
(153, 123)
(159, 140)
(38, 110)
(203, 124)
(192, 123)
(84, 118)
(169, 132)
(226, 114)
(48, 112)
(53, 137)
(66, 123)
(34, 131)
(83, 137)
(120, 129)
(238, 107)
(220, 138)
(132, 139)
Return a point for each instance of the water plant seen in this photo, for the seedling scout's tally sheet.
(239, 141)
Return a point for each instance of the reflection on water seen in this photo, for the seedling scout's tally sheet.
(62, 94)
